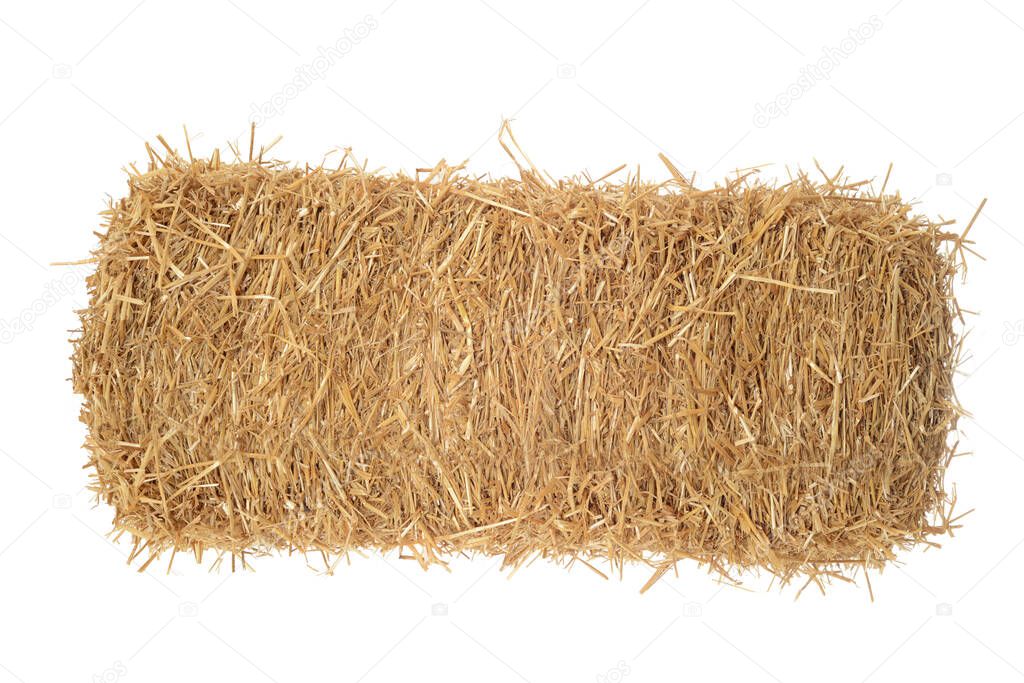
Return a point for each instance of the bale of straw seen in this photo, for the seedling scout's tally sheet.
(330, 359)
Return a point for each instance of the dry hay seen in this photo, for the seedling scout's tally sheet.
(332, 359)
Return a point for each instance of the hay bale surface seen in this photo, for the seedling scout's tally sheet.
(333, 359)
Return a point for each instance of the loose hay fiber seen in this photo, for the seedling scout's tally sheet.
(334, 359)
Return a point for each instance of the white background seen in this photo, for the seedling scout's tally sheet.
(590, 85)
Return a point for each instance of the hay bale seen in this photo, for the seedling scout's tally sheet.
(331, 359)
